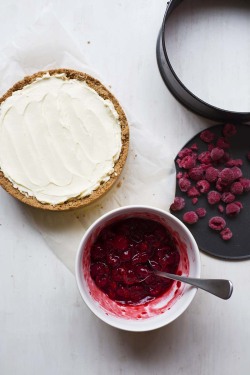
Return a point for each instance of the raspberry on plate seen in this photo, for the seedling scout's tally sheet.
(203, 186)
(229, 130)
(232, 209)
(201, 212)
(207, 136)
(184, 184)
(227, 175)
(236, 188)
(227, 197)
(217, 153)
(211, 174)
(226, 234)
(217, 223)
(178, 204)
(213, 197)
(190, 217)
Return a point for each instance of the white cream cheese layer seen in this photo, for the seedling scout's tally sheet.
(59, 139)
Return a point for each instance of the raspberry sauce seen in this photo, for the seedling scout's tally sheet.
(119, 260)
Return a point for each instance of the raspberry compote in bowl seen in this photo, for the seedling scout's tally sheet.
(115, 268)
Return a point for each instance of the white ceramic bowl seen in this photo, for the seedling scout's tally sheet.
(156, 313)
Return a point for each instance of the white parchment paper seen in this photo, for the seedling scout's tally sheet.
(149, 174)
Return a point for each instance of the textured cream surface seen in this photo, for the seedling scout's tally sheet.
(58, 139)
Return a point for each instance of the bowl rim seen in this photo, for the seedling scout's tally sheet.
(119, 323)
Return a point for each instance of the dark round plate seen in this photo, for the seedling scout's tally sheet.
(209, 241)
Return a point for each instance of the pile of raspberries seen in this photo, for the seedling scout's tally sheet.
(214, 174)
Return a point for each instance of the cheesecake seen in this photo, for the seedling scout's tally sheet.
(63, 140)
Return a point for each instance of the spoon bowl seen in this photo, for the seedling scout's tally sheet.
(218, 287)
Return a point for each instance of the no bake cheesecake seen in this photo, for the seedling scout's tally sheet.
(63, 140)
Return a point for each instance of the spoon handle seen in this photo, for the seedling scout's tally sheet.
(219, 287)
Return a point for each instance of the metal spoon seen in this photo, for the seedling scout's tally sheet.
(219, 287)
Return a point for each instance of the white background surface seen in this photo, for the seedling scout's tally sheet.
(44, 326)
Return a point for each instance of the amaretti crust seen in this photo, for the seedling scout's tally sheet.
(119, 164)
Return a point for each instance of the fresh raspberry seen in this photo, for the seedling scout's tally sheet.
(227, 197)
(217, 223)
(223, 143)
(190, 217)
(232, 209)
(196, 173)
(179, 175)
(213, 197)
(217, 153)
(245, 182)
(226, 175)
(185, 152)
(210, 147)
(234, 163)
(201, 212)
(207, 136)
(178, 204)
(225, 158)
(188, 162)
(184, 184)
(193, 192)
(178, 161)
(226, 234)
(239, 204)
(236, 188)
(203, 186)
(211, 174)
(220, 208)
(220, 186)
(205, 166)
(214, 168)
(229, 130)
(205, 157)
(237, 172)
(194, 147)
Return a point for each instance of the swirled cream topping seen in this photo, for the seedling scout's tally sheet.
(59, 139)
